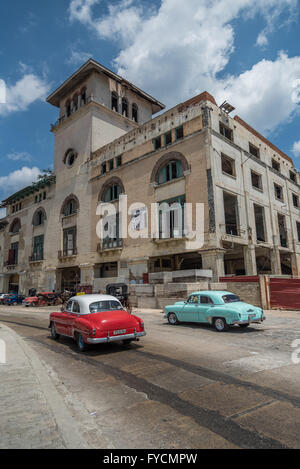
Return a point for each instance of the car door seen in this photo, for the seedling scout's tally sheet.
(190, 312)
(73, 314)
(204, 307)
(61, 320)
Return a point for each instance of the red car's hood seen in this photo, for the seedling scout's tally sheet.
(114, 320)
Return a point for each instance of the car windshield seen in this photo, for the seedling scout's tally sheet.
(230, 298)
(106, 305)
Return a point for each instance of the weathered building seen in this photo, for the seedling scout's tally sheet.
(107, 144)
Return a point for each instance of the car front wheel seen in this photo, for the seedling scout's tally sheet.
(172, 318)
(220, 324)
(54, 334)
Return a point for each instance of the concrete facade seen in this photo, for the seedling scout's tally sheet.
(221, 163)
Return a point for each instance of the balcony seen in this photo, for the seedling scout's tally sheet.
(67, 253)
(36, 257)
(109, 244)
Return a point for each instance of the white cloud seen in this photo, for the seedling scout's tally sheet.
(296, 148)
(174, 52)
(19, 156)
(78, 57)
(27, 90)
(19, 179)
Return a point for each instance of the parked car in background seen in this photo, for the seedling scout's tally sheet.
(43, 299)
(218, 308)
(13, 299)
(2, 297)
(96, 319)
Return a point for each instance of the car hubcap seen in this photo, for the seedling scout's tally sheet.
(172, 318)
(219, 324)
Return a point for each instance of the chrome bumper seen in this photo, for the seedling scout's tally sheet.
(114, 338)
(250, 321)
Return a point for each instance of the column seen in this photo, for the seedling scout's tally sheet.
(275, 261)
(213, 259)
(250, 260)
(87, 274)
(295, 262)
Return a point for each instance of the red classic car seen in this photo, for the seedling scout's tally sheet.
(96, 319)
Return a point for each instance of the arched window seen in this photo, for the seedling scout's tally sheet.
(70, 157)
(70, 206)
(114, 101)
(134, 112)
(68, 108)
(83, 96)
(15, 227)
(75, 102)
(170, 171)
(39, 217)
(124, 107)
(112, 193)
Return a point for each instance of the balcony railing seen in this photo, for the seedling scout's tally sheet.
(67, 253)
(109, 244)
(36, 257)
(10, 263)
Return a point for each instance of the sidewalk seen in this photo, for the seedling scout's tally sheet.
(32, 413)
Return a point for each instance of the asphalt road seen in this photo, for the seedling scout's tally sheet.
(183, 386)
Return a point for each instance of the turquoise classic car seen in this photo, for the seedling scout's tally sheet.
(219, 308)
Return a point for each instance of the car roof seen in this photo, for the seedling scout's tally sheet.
(84, 301)
(216, 294)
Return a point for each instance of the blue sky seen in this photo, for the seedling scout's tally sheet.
(243, 51)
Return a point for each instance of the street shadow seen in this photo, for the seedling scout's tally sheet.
(209, 328)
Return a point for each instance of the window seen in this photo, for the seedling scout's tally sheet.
(69, 241)
(103, 168)
(226, 132)
(282, 231)
(205, 300)
(111, 165)
(253, 150)
(278, 192)
(298, 230)
(193, 299)
(275, 165)
(13, 254)
(76, 307)
(70, 207)
(75, 102)
(106, 305)
(70, 158)
(68, 108)
(124, 107)
(179, 133)
(112, 193)
(69, 306)
(293, 176)
(230, 298)
(83, 96)
(38, 248)
(16, 227)
(228, 165)
(114, 101)
(259, 216)
(135, 112)
(44, 195)
(231, 214)
(172, 170)
(39, 218)
(118, 161)
(256, 180)
(295, 200)
(111, 236)
(157, 143)
(171, 218)
(168, 138)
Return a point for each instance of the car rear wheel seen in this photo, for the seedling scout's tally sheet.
(172, 318)
(220, 324)
(80, 343)
(243, 325)
(54, 334)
